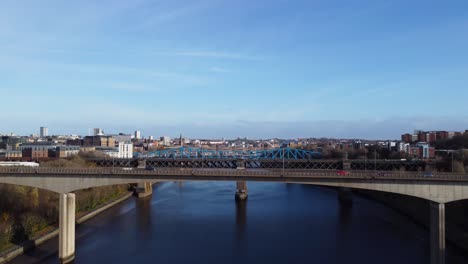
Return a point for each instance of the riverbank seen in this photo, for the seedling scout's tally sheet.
(52, 232)
(456, 226)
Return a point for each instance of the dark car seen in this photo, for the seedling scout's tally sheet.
(428, 174)
(150, 168)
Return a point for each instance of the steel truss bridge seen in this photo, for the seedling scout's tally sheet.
(200, 153)
(232, 163)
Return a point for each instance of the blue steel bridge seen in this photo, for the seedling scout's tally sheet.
(200, 153)
(287, 158)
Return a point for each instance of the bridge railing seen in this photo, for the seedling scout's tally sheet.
(288, 173)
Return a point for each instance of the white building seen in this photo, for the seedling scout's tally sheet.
(125, 150)
(44, 131)
(137, 134)
(402, 146)
(98, 132)
(111, 153)
(166, 141)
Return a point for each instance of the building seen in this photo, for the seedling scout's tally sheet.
(137, 134)
(425, 150)
(125, 150)
(99, 141)
(403, 147)
(166, 141)
(428, 136)
(11, 142)
(11, 154)
(87, 149)
(36, 151)
(64, 151)
(108, 151)
(98, 132)
(44, 132)
(414, 152)
(357, 144)
(407, 138)
(441, 135)
(122, 138)
(74, 142)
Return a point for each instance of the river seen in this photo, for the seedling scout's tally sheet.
(200, 222)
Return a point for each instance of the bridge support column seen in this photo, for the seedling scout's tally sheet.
(241, 190)
(141, 164)
(240, 164)
(144, 189)
(345, 196)
(67, 228)
(437, 239)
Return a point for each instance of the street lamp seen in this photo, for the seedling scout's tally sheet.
(283, 162)
(452, 161)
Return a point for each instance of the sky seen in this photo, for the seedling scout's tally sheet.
(211, 68)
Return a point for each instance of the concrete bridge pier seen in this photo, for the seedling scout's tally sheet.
(241, 190)
(345, 196)
(67, 228)
(437, 237)
(144, 189)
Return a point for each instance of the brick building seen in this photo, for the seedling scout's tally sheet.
(64, 151)
(99, 141)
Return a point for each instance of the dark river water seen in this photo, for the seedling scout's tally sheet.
(200, 222)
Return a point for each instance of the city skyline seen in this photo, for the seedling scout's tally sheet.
(408, 136)
(262, 69)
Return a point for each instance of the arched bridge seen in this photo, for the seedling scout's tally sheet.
(438, 188)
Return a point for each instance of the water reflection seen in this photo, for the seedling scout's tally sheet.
(143, 216)
(241, 218)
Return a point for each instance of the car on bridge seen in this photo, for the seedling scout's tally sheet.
(428, 174)
(342, 172)
(150, 168)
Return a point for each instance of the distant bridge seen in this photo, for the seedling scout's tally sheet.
(200, 153)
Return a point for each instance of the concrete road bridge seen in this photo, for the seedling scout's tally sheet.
(438, 188)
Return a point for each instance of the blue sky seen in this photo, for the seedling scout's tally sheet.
(212, 68)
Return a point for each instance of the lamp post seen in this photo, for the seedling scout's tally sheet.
(452, 161)
(283, 162)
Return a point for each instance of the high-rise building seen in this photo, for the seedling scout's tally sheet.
(166, 141)
(125, 150)
(137, 134)
(98, 132)
(44, 131)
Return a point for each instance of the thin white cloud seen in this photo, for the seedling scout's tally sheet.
(129, 87)
(219, 69)
(215, 55)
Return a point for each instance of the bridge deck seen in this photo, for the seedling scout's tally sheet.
(251, 173)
